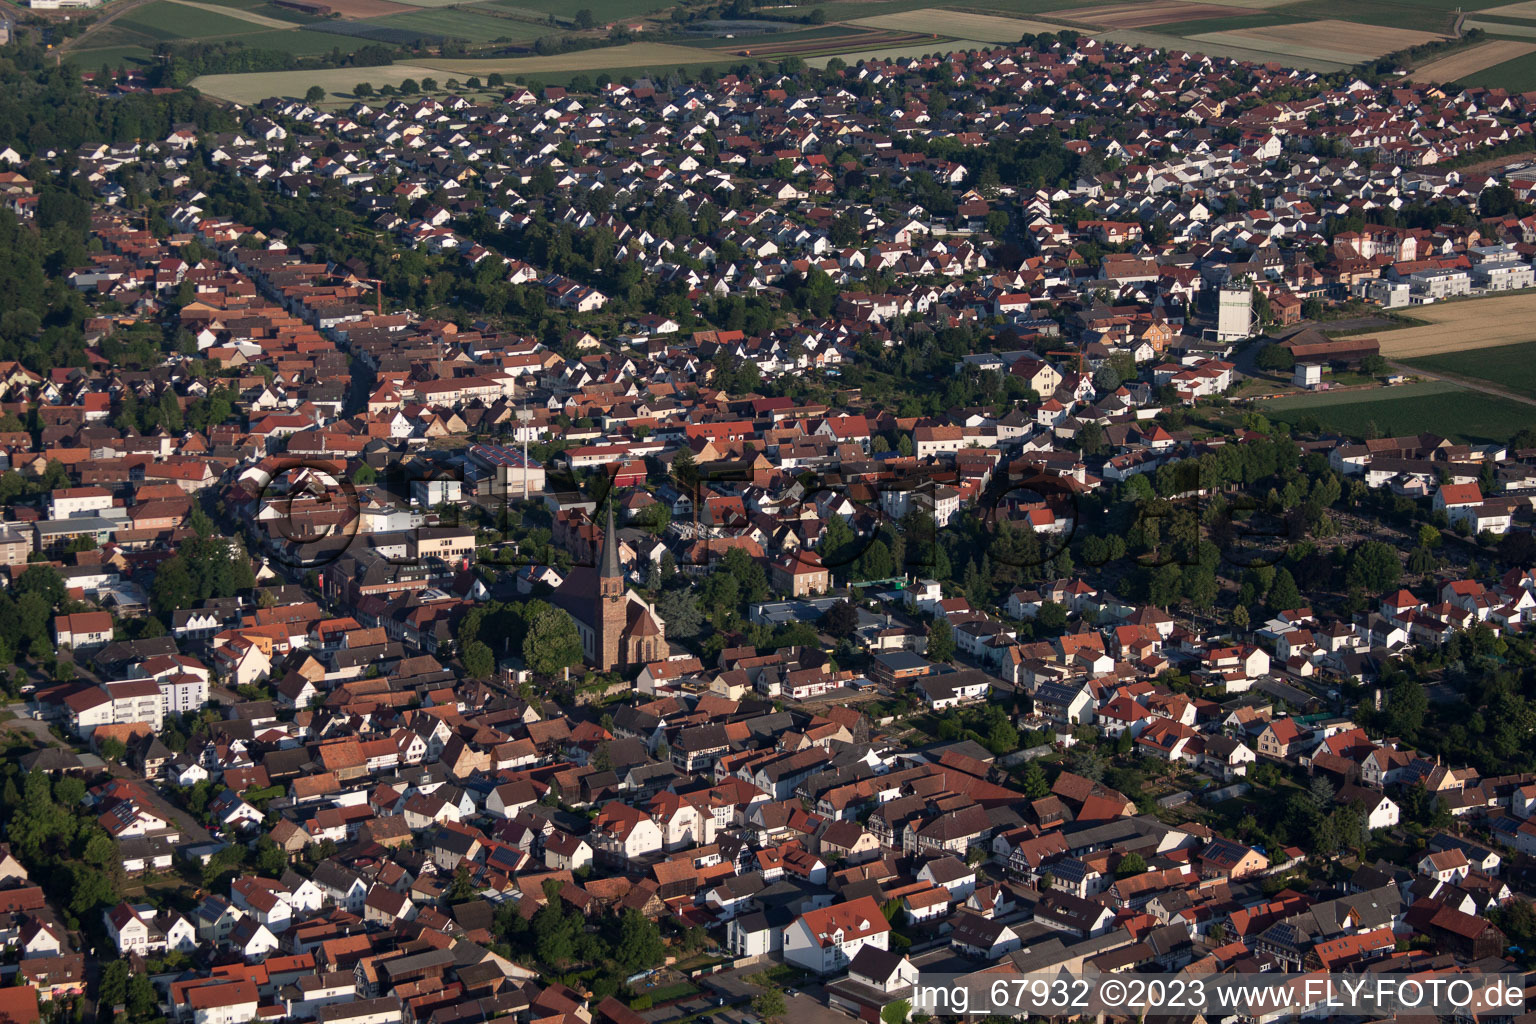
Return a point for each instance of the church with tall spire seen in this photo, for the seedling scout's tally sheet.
(619, 629)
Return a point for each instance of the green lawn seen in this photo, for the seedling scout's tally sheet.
(1511, 367)
(1439, 408)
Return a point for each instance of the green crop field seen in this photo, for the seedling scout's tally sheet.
(602, 10)
(1258, 19)
(1518, 75)
(461, 24)
(1426, 15)
(1511, 367)
(165, 20)
(1435, 407)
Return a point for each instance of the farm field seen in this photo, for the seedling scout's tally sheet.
(862, 40)
(1221, 49)
(828, 34)
(1463, 326)
(602, 10)
(254, 17)
(460, 24)
(1485, 55)
(1523, 30)
(913, 49)
(1518, 75)
(990, 27)
(661, 56)
(256, 86)
(1324, 40)
(368, 8)
(1424, 15)
(1431, 406)
(166, 19)
(1525, 10)
(1144, 15)
(1511, 367)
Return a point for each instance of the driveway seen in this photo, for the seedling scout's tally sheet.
(30, 727)
(191, 831)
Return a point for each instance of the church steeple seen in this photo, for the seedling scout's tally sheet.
(610, 568)
(612, 614)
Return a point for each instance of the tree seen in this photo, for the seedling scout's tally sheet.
(1406, 706)
(1374, 567)
(585, 19)
(941, 640)
(639, 943)
(479, 660)
(1087, 761)
(552, 644)
(1090, 439)
(462, 888)
(1131, 864)
(679, 609)
(362, 90)
(143, 1000)
(314, 94)
(1283, 593)
(840, 620)
(1275, 358)
(895, 1012)
(1034, 785)
(768, 1004)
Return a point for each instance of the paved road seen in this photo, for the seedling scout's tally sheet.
(1471, 383)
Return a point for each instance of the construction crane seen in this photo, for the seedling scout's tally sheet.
(1081, 364)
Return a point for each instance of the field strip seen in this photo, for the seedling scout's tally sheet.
(242, 15)
(913, 49)
(1350, 396)
(1326, 39)
(1502, 28)
(1255, 5)
(987, 27)
(1521, 10)
(630, 55)
(1484, 55)
(1247, 52)
(255, 86)
(1471, 383)
(1460, 326)
(1279, 49)
(1148, 15)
